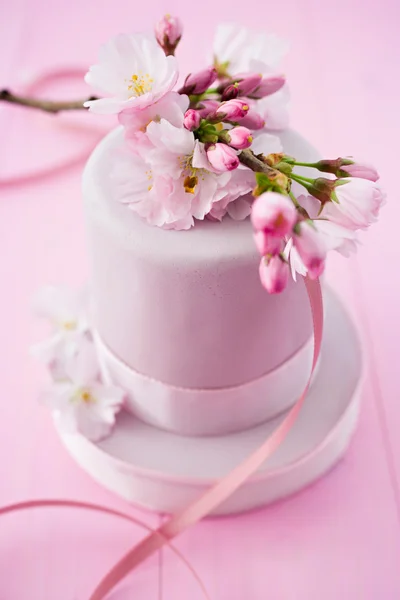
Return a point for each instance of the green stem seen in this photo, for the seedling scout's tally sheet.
(300, 179)
(304, 164)
(298, 206)
(294, 199)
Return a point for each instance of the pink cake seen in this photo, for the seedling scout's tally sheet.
(187, 309)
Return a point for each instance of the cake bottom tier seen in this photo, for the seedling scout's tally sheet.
(165, 472)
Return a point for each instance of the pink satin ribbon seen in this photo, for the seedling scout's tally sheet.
(224, 488)
(215, 495)
(35, 504)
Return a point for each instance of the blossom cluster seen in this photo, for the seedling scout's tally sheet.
(180, 161)
(205, 147)
(79, 400)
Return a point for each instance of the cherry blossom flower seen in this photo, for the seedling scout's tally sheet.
(235, 199)
(238, 49)
(171, 107)
(81, 404)
(358, 204)
(67, 312)
(171, 183)
(362, 170)
(135, 73)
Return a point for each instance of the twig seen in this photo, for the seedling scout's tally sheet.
(250, 160)
(45, 105)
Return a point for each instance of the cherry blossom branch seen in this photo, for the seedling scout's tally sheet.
(250, 160)
(48, 106)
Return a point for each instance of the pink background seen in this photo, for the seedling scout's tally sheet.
(338, 539)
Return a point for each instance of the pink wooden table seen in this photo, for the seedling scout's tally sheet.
(341, 537)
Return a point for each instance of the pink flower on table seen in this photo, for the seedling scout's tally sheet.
(67, 312)
(274, 274)
(311, 247)
(192, 119)
(171, 107)
(133, 71)
(197, 83)
(233, 110)
(274, 214)
(222, 157)
(170, 183)
(237, 48)
(168, 32)
(362, 170)
(358, 204)
(80, 403)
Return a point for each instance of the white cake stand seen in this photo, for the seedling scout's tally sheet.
(164, 472)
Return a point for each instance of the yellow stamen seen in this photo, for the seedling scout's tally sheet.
(140, 84)
(190, 183)
(245, 107)
(83, 395)
(69, 325)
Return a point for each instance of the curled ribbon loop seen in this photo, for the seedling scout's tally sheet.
(45, 503)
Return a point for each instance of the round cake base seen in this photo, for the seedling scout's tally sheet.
(165, 472)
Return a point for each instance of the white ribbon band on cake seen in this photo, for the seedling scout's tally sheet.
(208, 411)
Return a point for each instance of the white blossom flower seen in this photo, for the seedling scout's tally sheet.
(134, 71)
(239, 49)
(170, 182)
(66, 311)
(80, 403)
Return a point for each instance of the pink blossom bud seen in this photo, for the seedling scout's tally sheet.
(239, 138)
(362, 170)
(274, 274)
(253, 120)
(241, 85)
(168, 32)
(267, 244)
(269, 85)
(207, 107)
(222, 157)
(230, 93)
(247, 83)
(273, 213)
(197, 83)
(233, 110)
(192, 119)
(311, 247)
